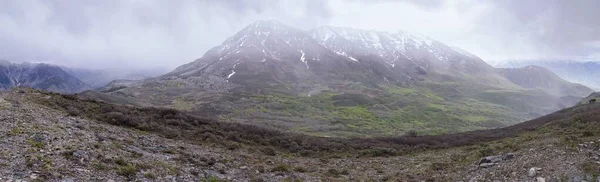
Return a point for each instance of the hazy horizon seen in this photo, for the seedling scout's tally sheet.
(166, 34)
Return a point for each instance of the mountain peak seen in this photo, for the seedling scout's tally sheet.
(263, 26)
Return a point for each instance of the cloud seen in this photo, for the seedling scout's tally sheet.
(552, 29)
(157, 33)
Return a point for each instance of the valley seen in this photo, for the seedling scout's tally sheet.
(52, 137)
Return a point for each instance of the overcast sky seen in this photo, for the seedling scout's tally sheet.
(168, 33)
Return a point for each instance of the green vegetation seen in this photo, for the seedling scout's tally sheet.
(370, 112)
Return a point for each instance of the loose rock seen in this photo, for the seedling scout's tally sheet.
(540, 179)
(486, 165)
(533, 171)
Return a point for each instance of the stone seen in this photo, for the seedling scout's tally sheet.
(38, 137)
(486, 165)
(220, 167)
(508, 156)
(80, 154)
(540, 179)
(213, 173)
(136, 150)
(533, 171)
(490, 159)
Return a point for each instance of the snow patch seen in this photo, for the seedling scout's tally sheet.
(302, 58)
(346, 55)
(232, 71)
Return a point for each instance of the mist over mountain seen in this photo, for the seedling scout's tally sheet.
(536, 77)
(587, 73)
(100, 77)
(40, 76)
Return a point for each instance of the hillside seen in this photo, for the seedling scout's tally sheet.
(52, 137)
(39, 76)
(582, 72)
(342, 82)
(586, 100)
(536, 77)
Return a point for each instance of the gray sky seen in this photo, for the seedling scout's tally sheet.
(168, 33)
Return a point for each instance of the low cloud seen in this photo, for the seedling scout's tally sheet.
(156, 33)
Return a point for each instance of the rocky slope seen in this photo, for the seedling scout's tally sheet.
(536, 77)
(39, 76)
(342, 82)
(50, 137)
(588, 99)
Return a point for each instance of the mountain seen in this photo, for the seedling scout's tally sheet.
(39, 76)
(536, 77)
(341, 82)
(269, 56)
(54, 137)
(586, 73)
(100, 77)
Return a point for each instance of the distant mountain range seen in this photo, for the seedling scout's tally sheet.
(587, 73)
(100, 77)
(39, 76)
(346, 82)
(64, 79)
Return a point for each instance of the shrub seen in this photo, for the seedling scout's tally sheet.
(334, 172)
(437, 166)
(72, 111)
(281, 168)
(269, 151)
(411, 133)
(300, 169)
(486, 151)
(127, 170)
